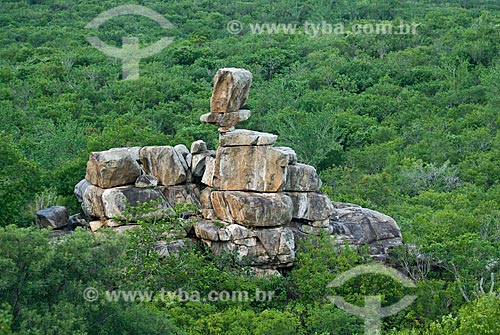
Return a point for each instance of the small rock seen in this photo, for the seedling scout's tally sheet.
(198, 147)
(182, 150)
(146, 181)
(95, 225)
(77, 220)
(55, 217)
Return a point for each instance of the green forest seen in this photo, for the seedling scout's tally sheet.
(405, 124)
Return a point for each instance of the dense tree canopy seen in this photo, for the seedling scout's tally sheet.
(406, 124)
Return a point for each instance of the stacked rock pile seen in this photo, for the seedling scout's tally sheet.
(253, 198)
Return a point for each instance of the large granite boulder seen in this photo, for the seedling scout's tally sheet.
(164, 163)
(114, 167)
(231, 87)
(365, 226)
(252, 209)
(249, 168)
(90, 197)
(119, 203)
(302, 178)
(310, 206)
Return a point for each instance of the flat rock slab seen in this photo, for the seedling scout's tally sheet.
(252, 209)
(248, 168)
(242, 137)
(231, 87)
(114, 167)
(229, 119)
(310, 206)
(164, 163)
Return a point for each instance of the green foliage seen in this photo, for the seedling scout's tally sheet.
(404, 124)
(43, 280)
(19, 179)
(318, 263)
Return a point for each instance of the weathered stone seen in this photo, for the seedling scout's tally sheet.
(92, 204)
(248, 242)
(315, 230)
(164, 163)
(110, 223)
(365, 226)
(172, 248)
(286, 250)
(145, 181)
(231, 87)
(244, 137)
(269, 238)
(115, 167)
(198, 147)
(320, 223)
(125, 228)
(55, 217)
(302, 178)
(182, 150)
(270, 246)
(252, 209)
(179, 194)
(278, 242)
(223, 130)
(208, 214)
(266, 273)
(206, 230)
(238, 232)
(95, 225)
(229, 119)
(205, 200)
(208, 175)
(198, 163)
(77, 220)
(135, 153)
(292, 156)
(254, 168)
(119, 202)
(310, 206)
(80, 188)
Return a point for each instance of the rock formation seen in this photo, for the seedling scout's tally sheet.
(253, 198)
